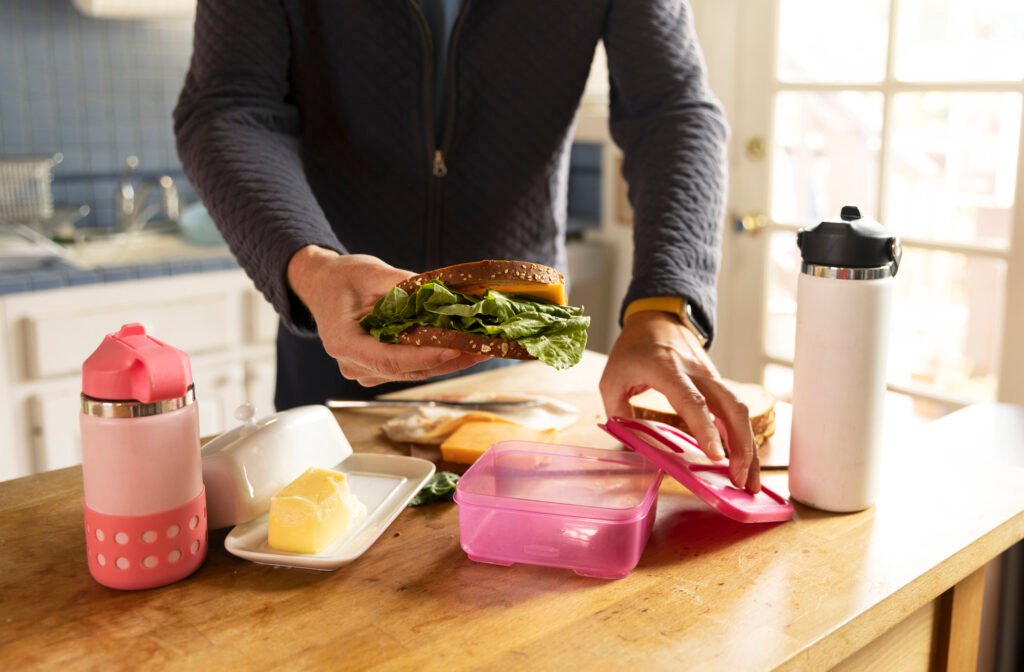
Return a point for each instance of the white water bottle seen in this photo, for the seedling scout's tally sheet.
(842, 329)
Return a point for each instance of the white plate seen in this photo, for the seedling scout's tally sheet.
(383, 483)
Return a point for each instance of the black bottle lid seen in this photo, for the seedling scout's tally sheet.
(849, 241)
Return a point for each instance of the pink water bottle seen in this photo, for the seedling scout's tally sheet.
(145, 506)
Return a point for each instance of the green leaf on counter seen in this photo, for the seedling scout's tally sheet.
(556, 335)
(439, 488)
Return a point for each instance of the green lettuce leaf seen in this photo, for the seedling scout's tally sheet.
(556, 335)
(440, 488)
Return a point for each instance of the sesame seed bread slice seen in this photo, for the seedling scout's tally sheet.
(458, 340)
(488, 271)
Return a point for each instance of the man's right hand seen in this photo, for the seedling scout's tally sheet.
(338, 290)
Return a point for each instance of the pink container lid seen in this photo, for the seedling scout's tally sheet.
(708, 482)
(130, 365)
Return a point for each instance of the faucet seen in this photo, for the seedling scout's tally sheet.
(130, 204)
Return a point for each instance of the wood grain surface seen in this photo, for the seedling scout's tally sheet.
(708, 593)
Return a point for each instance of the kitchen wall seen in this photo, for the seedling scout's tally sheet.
(98, 90)
(95, 90)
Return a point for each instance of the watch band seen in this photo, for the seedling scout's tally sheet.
(676, 305)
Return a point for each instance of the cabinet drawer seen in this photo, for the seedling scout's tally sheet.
(58, 344)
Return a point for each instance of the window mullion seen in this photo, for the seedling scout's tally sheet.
(887, 96)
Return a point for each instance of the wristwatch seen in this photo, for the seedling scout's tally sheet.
(676, 305)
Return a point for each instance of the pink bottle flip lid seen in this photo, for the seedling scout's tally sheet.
(132, 365)
(708, 482)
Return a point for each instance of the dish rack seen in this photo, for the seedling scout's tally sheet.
(25, 193)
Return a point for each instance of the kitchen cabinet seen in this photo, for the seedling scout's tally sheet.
(136, 9)
(225, 326)
(260, 378)
(220, 389)
(52, 427)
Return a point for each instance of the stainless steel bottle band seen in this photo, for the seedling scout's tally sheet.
(838, 273)
(135, 409)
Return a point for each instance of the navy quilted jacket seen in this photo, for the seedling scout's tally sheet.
(310, 122)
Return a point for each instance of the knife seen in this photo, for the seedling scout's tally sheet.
(490, 405)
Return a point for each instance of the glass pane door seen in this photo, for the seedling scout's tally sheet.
(910, 109)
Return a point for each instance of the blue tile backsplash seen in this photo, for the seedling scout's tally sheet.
(95, 90)
(98, 90)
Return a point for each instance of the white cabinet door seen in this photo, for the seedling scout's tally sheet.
(260, 377)
(53, 428)
(220, 389)
(262, 319)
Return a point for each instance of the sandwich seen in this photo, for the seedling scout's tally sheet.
(507, 309)
(652, 405)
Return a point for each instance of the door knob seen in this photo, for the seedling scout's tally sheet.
(755, 148)
(752, 222)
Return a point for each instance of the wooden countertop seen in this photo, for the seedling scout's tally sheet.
(708, 593)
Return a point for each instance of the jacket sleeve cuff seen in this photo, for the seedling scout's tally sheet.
(267, 265)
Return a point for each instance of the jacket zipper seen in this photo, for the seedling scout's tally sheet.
(440, 167)
(437, 152)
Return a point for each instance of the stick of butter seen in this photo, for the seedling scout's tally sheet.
(311, 512)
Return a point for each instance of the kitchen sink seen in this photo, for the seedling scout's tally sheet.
(151, 228)
(142, 247)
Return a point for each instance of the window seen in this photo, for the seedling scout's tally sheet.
(910, 109)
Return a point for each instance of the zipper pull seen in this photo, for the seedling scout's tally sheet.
(440, 169)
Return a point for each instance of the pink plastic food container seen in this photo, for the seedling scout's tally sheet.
(145, 506)
(585, 509)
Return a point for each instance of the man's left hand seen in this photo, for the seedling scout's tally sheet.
(656, 350)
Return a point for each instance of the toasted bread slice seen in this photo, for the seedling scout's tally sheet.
(458, 340)
(509, 277)
(652, 405)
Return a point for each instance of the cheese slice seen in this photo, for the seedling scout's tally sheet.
(472, 439)
(311, 512)
(552, 292)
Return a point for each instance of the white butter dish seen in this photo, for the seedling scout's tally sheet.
(384, 484)
(246, 466)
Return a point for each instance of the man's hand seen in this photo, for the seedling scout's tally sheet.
(656, 350)
(338, 290)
